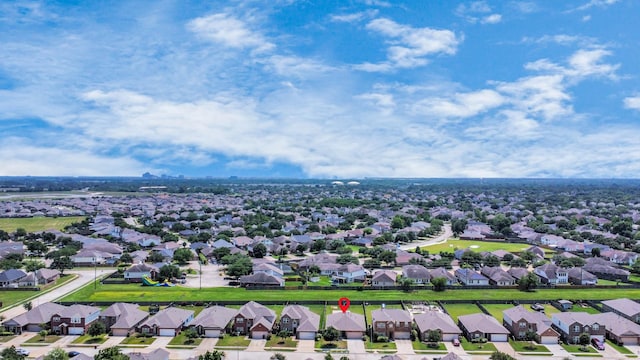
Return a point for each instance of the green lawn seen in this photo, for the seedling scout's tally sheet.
(5, 338)
(370, 308)
(134, 293)
(527, 346)
(10, 298)
(380, 345)
(473, 347)
(38, 223)
(451, 245)
(233, 341)
(549, 309)
(276, 341)
(578, 349)
(585, 308)
(137, 339)
(422, 346)
(181, 339)
(37, 339)
(620, 349)
(87, 339)
(325, 345)
(497, 309)
(456, 310)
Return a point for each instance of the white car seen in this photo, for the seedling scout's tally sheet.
(22, 351)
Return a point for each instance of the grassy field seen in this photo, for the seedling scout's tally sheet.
(496, 310)
(478, 246)
(36, 224)
(10, 298)
(137, 293)
(456, 310)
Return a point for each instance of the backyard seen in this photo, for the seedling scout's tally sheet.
(456, 310)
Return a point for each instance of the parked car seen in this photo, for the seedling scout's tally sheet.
(537, 307)
(22, 351)
(455, 342)
(597, 344)
(73, 354)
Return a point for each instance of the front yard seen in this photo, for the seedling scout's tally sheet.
(578, 349)
(240, 342)
(88, 339)
(326, 345)
(527, 346)
(476, 347)
(137, 339)
(276, 341)
(37, 339)
(421, 347)
(182, 339)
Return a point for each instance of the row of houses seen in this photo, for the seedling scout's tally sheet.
(20, 278)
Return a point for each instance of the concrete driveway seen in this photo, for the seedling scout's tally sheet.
(404, 347)
(356, 346)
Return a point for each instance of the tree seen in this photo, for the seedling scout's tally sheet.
(191, 334)
(387, 256)
(328, 356)
(56, 354)
(155, 257)
(491, 260)
(96, 329)
(347, 258)
(433, 336)
(595, 252)
(126, 258)
(331, 334)
(43, 334)
(283, 334)
(584, 339)
(182, 256)
(168, 272)
(406, 284)
(259, 251)
(110, 353)
(61, 264)
(497, 355)
(439, 284)
(7, 264)
(528, 282)
(241, 266)
(11, 353)
(33, 265)
(471, 258)
(278, 356)
(635, 268)
(212, 355)
(27, 306)
(518, 262)
(220, 252)
(458, 226)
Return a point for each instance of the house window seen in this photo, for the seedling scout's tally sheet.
(56, 318)
(75, 320)
(285, 320)
(523, 324)
(595, 327)
(576, 339)
(576, 328)
(380, 325)
(239, 320)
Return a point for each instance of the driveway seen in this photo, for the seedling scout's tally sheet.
(256, 345)
(505, 348)
(306, 346)
(404, 347)
(356, 346)
(438, 239)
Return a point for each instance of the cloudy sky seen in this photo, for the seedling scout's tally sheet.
(315, 88)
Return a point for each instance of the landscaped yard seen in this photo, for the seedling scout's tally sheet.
(36, 224)
(326, 345)
(88, 339)
(497, 309)
(37, 339)
(527, 346)
(584, 308)
(380, 345)
(620, 349)
(233, 341)
(579, 349)
(549, 309)
(5, 338)
(182, 339)
(276, 341)
(137, 339)
(456, 310)
(424, 347)
(474, 347)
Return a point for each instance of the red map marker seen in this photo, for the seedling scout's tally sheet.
(344, 304)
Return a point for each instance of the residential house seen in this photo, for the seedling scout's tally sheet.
(122, 319)
(74, 319)
(28, 281)
(404, 257)
(254, 319)
(476, 326)
(268, 268)
(443, 273)
(157, 354)
(33, 319)
(11, 247)
(619, 329)
(301, 321)
(497, 276)
(418, 273)
(520, 322)
(436, 320)
(624, 307)
(167, 322)
(552, 274)
(350, 325)
(46, 276)
(536, 251)
(89, 257)
(392, 323)
(136, 272)
(214, 321)
(349, 273)
(518, 273)
(11, 277)
(606, 270)
(579, 276)
(470, 277)
(571, 325)
(260, 279)
(383, 278)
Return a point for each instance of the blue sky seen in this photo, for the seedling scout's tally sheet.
(344, 89)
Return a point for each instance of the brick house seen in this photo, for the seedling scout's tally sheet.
(392, 323)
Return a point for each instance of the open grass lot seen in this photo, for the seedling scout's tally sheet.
(137, 340)
(10, 298)
(88, 339)
(496, 310)
(456, 310)
(478, 246)
(38, 223)
(233, 341)
(276, 341)
(527, 346)
(137, 293)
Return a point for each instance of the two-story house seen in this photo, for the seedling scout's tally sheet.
(122, 319)
(571, 325)
(624, 307)
(552, 274)
(74, 319)
(214, 321)
(254, 319)
(471, 278)
(349, 273)
(299, 320)
(521, 322)
(392, 323)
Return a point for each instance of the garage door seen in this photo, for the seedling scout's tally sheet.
(449, 337)
(548, 340)
(76, 331)
(259, 335)
(306, 335)
(211, 333)
(399, 335)
(499, 337)
(167, 332)
(120, 332)
(354, 335)
(630, 340)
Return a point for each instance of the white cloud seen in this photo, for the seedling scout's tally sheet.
(229, 31)
(409, 46)
(596, 3)
(379, 3)
(353, 17)
(491, 19)
(632, 102)
(477, 12)
(295, 66)
(460, 105)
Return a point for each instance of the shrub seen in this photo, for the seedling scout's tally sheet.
(382, 338)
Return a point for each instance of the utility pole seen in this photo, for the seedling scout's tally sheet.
(95, 273)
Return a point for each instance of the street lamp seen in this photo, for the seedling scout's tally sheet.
(95, 273)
